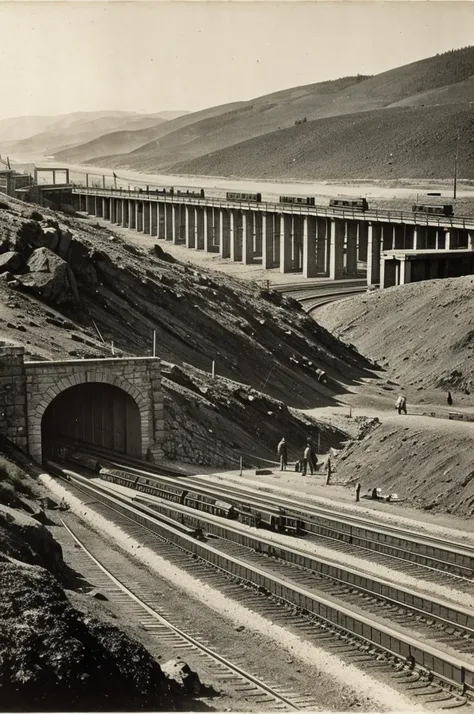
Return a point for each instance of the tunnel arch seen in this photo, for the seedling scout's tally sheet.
(133, 401)
(93, 413)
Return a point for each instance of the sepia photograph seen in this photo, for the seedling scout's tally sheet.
(236, 356)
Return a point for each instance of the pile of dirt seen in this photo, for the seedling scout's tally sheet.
(427, 463)
(215, 421)
(56, 659)
(422, 332)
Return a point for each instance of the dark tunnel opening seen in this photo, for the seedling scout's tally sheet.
(93, 413)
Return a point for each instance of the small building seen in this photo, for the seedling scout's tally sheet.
(11, 181)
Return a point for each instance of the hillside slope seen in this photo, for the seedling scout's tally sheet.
(443, 79)
(424, 332)
(121, 142)
(71, 288)
(75, 131)
(412, 142)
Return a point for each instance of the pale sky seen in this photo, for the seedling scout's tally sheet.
(59, 56)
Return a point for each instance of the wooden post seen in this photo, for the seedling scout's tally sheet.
(241, 465)
(113, 349)
(154, 343)
(103, 181)
(213, 369)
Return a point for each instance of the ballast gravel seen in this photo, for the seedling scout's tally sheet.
(374, 692)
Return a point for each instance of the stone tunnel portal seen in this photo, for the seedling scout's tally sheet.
(93, 413)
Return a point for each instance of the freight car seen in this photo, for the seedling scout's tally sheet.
(304, 200)
(446, 210)
(192, 194)
(233, 196)
(357, 203)
(257, 518)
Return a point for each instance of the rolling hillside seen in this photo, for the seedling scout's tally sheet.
(412, 142)
(73, 130)
(109, 145)
(222, 144)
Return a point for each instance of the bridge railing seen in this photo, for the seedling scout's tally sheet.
(377, 215)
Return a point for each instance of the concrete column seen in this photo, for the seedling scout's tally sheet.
(139, 214)
(363, 230)
(125, 212)
(336, 256)
(205, 230)
(309, 251)
(373, 254)
(247, 238)
(174, 235)
(267, 245)
(231, 235)
(225, 234)
(258, 223)
(399, 236)
(285, 243)
(153, 218)
(447, 240)
(276, 231)
(351, 255)
(118, 211)
(236, 241)
(405, 271)
(219, 227)
(106, 208)
(146, 217)
(132, 216)
(470, 240)
(322, 253)
(112, 210)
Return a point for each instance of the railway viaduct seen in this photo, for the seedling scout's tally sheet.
(397, 247)
(116, 403)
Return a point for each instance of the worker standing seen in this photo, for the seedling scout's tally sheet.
(307, 460)
(358, 492)
(283, 454)
(450, 399)
(401, 404)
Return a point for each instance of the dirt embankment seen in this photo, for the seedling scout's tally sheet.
(423, 332)
(55, 658)
(216, 421)
(428, 463)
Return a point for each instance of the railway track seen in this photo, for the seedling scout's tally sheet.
(390, 544)
(142, 608)
(372, 636)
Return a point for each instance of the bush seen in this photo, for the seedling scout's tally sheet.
(12, 477)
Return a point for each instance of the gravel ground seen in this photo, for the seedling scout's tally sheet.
(341, 676)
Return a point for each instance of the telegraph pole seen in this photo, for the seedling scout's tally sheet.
(456, 167)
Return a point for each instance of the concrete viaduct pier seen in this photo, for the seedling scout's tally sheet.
(316, 241)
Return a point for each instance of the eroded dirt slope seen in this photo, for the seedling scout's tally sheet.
(424, 332)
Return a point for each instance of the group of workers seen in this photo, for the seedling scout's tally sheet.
(309, 460)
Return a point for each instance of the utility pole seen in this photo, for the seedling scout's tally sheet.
(456, 167)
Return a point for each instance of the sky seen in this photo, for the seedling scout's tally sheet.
(58, 57)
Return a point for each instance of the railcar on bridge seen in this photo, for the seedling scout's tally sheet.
(446, 210)
(305, 200)
(360, 203)
(234, 196)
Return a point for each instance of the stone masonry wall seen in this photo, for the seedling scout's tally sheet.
(140, 377)
(13, 394)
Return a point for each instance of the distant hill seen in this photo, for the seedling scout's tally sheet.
(248, 140)
(117, 143)
(405, 142)
(168, 116)
(77, 128)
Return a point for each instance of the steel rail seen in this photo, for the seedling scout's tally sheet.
(399, 217)
(440, 611)
(439, 554)
(235, 669)
(446, 668)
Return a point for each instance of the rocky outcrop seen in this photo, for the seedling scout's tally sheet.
(23, 538)
(11, 261)
(50, 277)
(54, 658)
